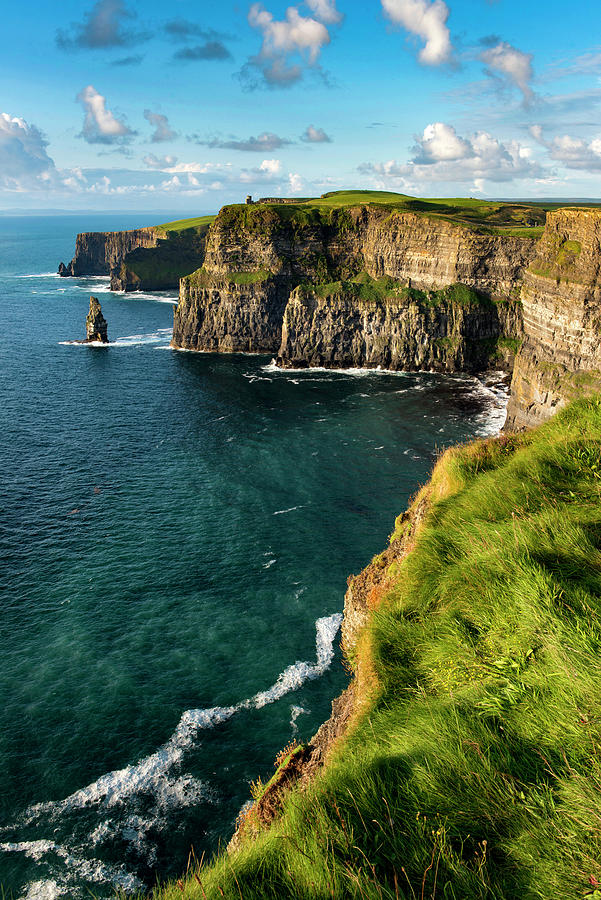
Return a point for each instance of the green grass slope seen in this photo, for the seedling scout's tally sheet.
(186, 224)
(474, 768)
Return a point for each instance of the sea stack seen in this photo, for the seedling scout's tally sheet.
(96, 327)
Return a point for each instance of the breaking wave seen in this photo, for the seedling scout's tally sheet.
(113, 795)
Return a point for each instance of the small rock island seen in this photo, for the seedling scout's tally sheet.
(96, 325)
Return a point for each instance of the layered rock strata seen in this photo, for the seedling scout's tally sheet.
(254, 291)
(561, 296)
(99, 252)
(145, 259)
(449, 331)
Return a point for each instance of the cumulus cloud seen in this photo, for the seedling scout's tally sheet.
(296, 183)
(264, 143)
(441, 155)
(314, 135)
(269, 171)
(100, 125)
(428, 21)
(160, 123)
(571, 152)
(511, 65)
(24, 162)
(103, 26)
(159, 162)
(440, 142)
(325, 11)
(296, 35)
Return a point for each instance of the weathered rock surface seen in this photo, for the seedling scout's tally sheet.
(561, 297)
(219, 314)
(398, 332)
(245, 296)
(98, 252)
(145, 259)
(160, 266)
(96, 325)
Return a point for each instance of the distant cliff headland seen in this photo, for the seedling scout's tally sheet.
(145, 259)
(373, 279)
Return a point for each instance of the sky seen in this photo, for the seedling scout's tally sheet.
(186, 106)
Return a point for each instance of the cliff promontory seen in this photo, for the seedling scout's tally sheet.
(354, 286)
(99, 252)
(150, 259)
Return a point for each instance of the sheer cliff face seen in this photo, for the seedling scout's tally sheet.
(98, 252)
(245, 297)
(561, 296)
(397, 332)
(219, 314)
(432, 253)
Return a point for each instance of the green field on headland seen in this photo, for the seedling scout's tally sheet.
(473, 768)
(515, 219)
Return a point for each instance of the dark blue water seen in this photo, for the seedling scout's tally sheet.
(176, 532)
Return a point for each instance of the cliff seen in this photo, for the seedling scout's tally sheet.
(354, 286)
(561, 298)
(99, 252)
(145, 259)
(462, 760)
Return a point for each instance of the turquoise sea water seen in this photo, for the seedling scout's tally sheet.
(176, 532)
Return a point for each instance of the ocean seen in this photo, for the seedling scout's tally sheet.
(176, 534)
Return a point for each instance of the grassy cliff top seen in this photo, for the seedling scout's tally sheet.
(514, 219)
(186, 224)
(491, 217)
(474, 767)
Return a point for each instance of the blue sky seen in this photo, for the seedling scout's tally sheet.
(186, 106)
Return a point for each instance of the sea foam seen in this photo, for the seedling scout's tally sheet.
(115, 791)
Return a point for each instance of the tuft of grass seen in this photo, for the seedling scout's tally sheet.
(249, 277)
(475, 768)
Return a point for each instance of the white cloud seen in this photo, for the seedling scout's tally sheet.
(198, 168)
(160, 123)
(326, 11)
(100, 125)
(24, 162)
(441, 155)
(296, 183)
(571, 152)
(271, 166)
(159, 162)
(428, 21)
(314, 135)
(296, 34)
(511, 64)
(441, 142)
(269, 171)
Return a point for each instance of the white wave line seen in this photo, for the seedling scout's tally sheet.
(89, 869)
(114, 787)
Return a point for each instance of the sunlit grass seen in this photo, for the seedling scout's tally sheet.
(475, 771)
